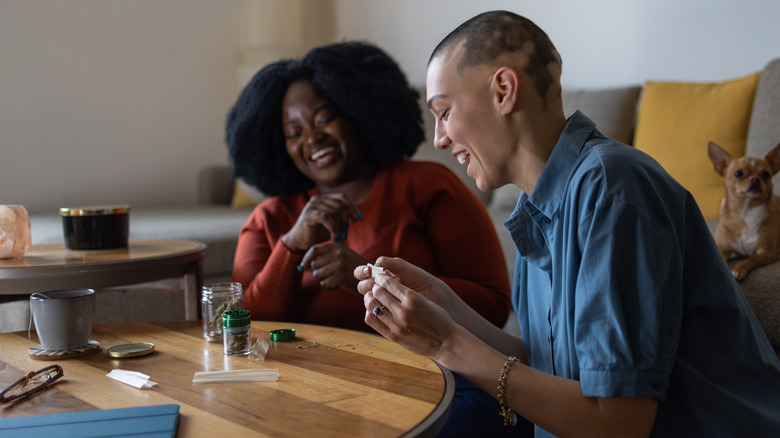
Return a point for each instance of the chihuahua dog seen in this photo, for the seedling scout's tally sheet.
(749, 224)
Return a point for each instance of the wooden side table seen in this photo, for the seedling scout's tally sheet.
(51, 266)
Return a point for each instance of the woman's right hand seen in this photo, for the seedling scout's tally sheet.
(324, 217)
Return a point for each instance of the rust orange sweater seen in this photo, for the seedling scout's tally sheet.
(419, 211)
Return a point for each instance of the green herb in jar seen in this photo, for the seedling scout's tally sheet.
(215, 323)
(237, 343)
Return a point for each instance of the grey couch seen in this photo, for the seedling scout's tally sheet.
(614, 110)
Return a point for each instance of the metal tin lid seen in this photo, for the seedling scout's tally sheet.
(282, 335)
(131, 350)
(96, 210)
(236, 318)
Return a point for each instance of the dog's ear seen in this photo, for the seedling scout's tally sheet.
(773, 157)
(719, 157)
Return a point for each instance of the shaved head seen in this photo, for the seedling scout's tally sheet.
(491, 34)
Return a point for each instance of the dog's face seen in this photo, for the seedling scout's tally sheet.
(746, 178)
(749, 177)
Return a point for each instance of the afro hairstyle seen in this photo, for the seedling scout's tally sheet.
(364, 84)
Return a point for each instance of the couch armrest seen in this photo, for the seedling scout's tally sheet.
(764, 129)
(215, 185)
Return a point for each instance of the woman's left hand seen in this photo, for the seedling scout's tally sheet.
(333, 264)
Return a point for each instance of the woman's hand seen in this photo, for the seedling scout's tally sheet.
(408, 318)
(427, 286)
(333, 264)
(412, 277)
(324, 217)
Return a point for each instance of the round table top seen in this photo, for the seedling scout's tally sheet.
(55, 254)
(331, 382)
(51, 266)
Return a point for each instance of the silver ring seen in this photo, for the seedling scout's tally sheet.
(378, 310)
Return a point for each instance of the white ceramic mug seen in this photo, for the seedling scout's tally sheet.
(63, 318)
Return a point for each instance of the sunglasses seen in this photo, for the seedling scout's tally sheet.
(32, 383)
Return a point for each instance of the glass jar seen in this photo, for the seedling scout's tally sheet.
(236, 333)
(216, 299)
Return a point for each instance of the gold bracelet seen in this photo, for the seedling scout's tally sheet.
(506, 412)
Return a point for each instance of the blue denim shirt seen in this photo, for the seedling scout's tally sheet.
(619, 285)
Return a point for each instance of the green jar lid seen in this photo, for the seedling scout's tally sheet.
(236, 318)
(282, 335)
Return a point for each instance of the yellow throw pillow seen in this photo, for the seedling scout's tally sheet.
(240, 199)
(677, 120)
(245, 196)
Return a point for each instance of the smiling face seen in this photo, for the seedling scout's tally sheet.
(318, 137)
(468, 121)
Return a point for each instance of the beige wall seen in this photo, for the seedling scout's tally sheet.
(603, 43)
(111, 101)
(122, 101)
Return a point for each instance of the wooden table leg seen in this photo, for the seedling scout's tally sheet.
(193, 283)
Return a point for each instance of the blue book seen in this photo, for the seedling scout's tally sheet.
(147, 421)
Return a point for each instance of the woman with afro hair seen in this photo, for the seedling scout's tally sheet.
(326, 138)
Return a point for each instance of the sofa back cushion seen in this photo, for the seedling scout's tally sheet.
(611, 109)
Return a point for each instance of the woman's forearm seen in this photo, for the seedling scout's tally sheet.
(481, 328)
(554, 403)
(271, 287)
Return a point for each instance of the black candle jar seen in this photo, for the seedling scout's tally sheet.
(98, 227)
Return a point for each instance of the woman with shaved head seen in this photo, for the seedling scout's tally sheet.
(631, 323)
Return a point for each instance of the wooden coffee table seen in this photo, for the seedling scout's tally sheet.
(332, 382)
(51, 266)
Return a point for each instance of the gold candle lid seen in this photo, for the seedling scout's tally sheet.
(96, 210)
(131, 350)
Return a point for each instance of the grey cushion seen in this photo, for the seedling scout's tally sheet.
(612, 109)
(215, 185)
(764, 130)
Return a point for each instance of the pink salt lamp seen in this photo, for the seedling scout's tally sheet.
(14, 231)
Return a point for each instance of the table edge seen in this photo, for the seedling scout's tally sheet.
(434, 422)
(75, 269)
